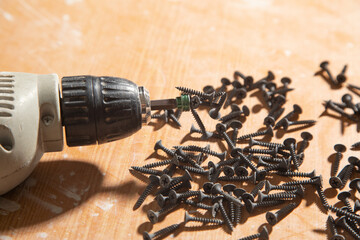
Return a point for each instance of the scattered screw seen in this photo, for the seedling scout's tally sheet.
(343, 224)
(341, 78)
(304, 123)
(333, 230)
(154, 182)
(215, 112)
(268, 132)
(324, 67)
(162, 232)
(355, 184)
(339, 148)
(188, 218)
(263, 235)
(274, 218)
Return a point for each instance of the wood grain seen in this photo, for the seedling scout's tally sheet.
(88, 192)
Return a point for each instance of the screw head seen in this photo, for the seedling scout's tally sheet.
(165, 180)
(195, 102)
(208, 89)
(228, 171)
(147, 236)
(297, 109)
(241, 171)
(229, 188)
(341, 78)
(158, 145)
(48, 120)
(193, 128)
(271, 86)
(212, 165)
(216, 188)
(235, 124)
(236, 84)
(354, 161)
(337, 237)
(354, 183)
(214, 113)
(235, 108)
(235, 152)
(335, 182)
(248, 197)
(238, 192)
(285, 80)
(343, 195)
(346, 98)
(270, 76)
(306, 136)
(218, 199)
(264, 234)
(161, 200)
(324, 64)
(339, 148)
(248, 81)
(220, 127)
(153, 216)
(271, 218)
(341, 221)
(246, 110)
(357, 205)
(249, 206)
(269, 131)
(268, 186)
(214, 209)
(269, 121)
(241, 94)
(289, 141)
(207, 187)
(225, 81)
(187, 217)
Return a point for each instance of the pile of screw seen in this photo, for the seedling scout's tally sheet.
(336, 82)
(347, 218)
(253, 166)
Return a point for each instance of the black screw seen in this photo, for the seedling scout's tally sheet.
(162, 232)
(313, 181)
(355, 184)
(347, 99)
(216, 189)
(333, 230)
(163, 116)
(282, 195)
(208, 97)
(274, 218)
(238, 212)
(194, 148)
(339, 148)
(356, 206)
(188, 218)
(161, 200)
(355, 145)
(263, 235)
(332, 106)
(219, 200)
(268, 132)
(159, 145)
(173, 117)
(250, 205)
(343, 224)
(324, 67)
(147, 170)
(174, 197)
(270, 76)
(307, 137)
(208, 89)
(154, 216)
(270, 119)
(341, 78)
(296, 110)
(344, 213)
(154, 182)
(167, 181)
(289, 143)
(253, 142)
(235, 112)
(205, 135)
(297, 174)
(173, 160)
(215, 112)
(288, 123)
(212, 208)
(344, 197)
(235, 125)
(269, 187)
(229, 188)
(221, 129)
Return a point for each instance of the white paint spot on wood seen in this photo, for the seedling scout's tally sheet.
(212, 29)
(8, 205)
(42, 235)
(3, 237)
(287, 53)
(52, 196)
(104, 205)
(94, 214)
(8, 16)
(65, 155)
(257, 4)
(61, 178)
(72, 2)
(72, 173)
(66, 17)
(49, 206)
(70, 193)
(350, 45)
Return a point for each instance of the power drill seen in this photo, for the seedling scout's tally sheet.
(93, 110)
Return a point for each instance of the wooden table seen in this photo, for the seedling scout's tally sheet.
(88, 192)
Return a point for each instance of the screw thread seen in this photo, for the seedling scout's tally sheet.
(283, 187)
(295, 174)
(173, 117)
(257, 188)
(203, 150)
(230, 116)
(193, 169)
(228, 162)
(336, 163)
(293, 156)
(303, 182)
(232, 211)
(331, 223)
(347, 175)
(302, 146)
(356, 145)
(228, 140)
(225, 216)
(280, 196)
(193, 92)
(273, 167)
(268, 144)
(254, 236)
(350, 230)
(238, 214)
(255, 134)
(189, 194)
(144, 195)
(198, 205)
(302, 122)
(259, 151)
(198, 120)
(166, 230)
(345, 213)
(207, 220)
(167, 209)
(234, 178)
(248, 162)
(268, 158)
(158, 164)
(283, 212)
(146, 170)
(269, 203)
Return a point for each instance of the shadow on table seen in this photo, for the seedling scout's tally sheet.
(53, 189)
